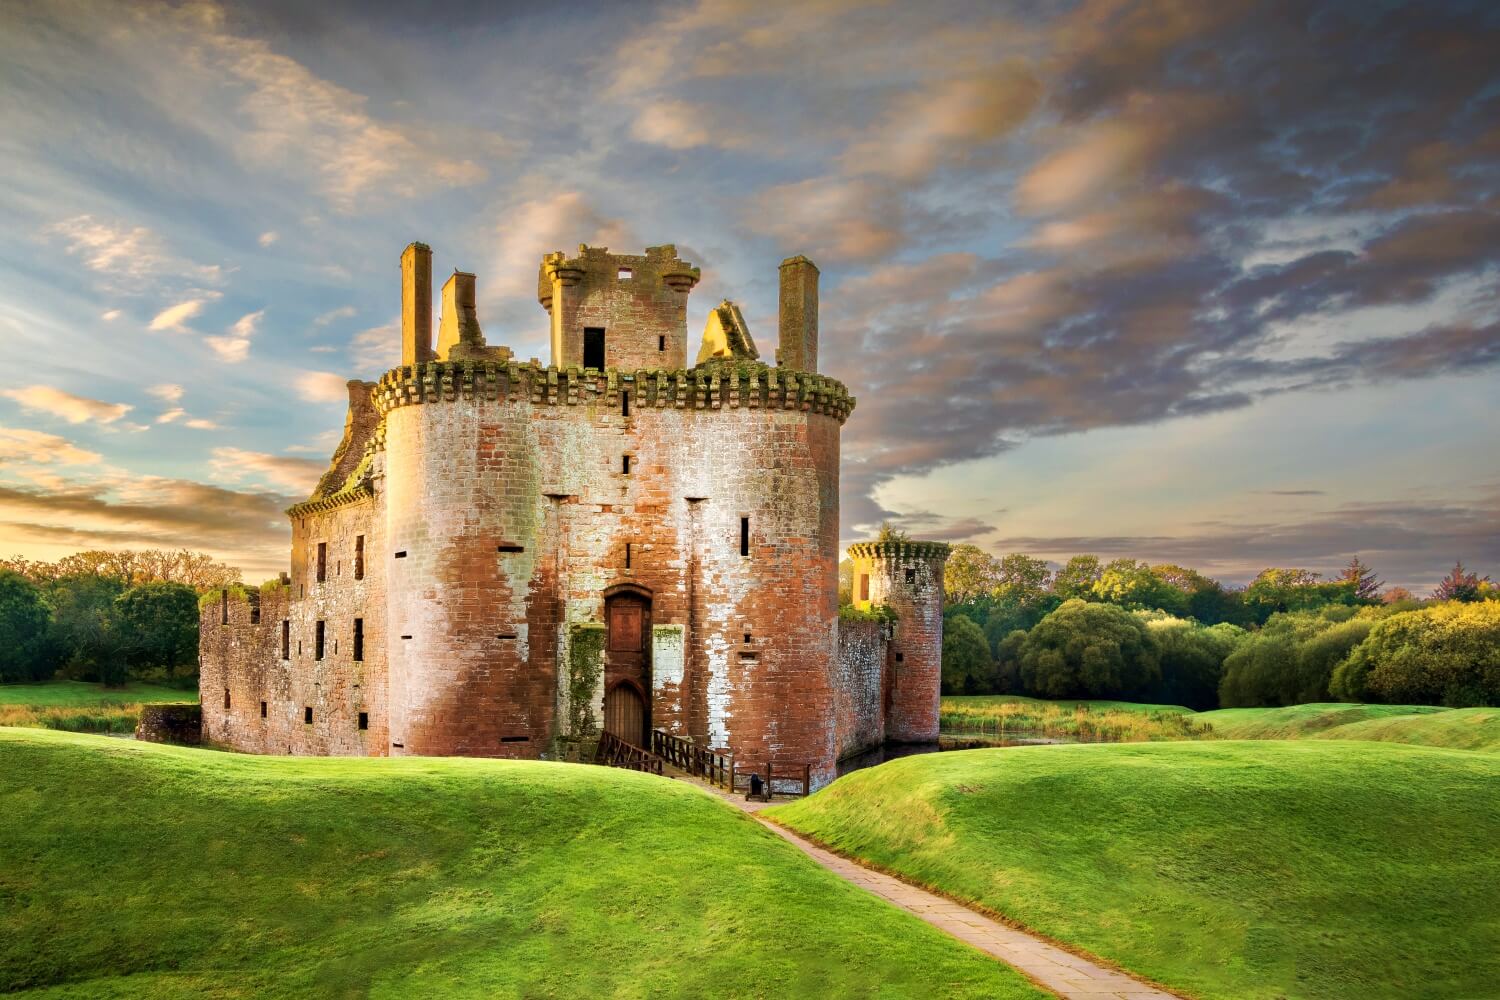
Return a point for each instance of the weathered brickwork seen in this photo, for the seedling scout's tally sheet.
(680, 526)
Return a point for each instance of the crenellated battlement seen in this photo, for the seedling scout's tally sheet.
(898, 551)
(714, 386)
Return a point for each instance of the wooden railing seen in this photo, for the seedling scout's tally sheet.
(615, 752)
(788, 780)
(714, 766)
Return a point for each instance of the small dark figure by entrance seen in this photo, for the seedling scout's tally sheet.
(758, 789)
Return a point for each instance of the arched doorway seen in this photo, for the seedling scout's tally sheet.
(627, 667)
(625, 713)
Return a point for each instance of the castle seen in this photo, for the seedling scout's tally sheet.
(506, 559)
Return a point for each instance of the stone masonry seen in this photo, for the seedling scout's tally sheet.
(506, 559)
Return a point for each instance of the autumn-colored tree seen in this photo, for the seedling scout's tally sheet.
(969, 574)
(1362, 579)
(1077, 578)
(1460, 586)
(132, 568)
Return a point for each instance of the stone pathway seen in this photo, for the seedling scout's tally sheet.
(1049, 966)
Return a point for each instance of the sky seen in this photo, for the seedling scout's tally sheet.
(1215, 284)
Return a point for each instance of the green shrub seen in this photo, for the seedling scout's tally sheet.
(1085, 650)
(1446, 654)
(967, 667)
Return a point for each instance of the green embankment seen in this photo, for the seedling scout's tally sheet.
(77, 706)
(1424, 725)
(141, 870)
(1227, 869)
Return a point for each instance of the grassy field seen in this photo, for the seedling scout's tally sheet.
(80, 707)
(1109, 721)
(1227, 869)
(142, 870)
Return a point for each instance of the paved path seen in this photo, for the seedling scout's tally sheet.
(1060, 971)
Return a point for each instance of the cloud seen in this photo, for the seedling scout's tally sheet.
(234, 347)
(246, 324)
(322, 387)
(172, 317)
(35, 447)
(200, 424)
(171, 415)
(333, 315)
(298, 475)
(110, 315)
(166, 392)
(267, 238)
(72, 408)
(832, 217)
(377, 349)
(128, 258)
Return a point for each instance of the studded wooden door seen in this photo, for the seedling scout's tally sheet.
(625, 713)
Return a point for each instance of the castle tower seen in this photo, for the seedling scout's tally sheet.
(907, 577)
(623, 311)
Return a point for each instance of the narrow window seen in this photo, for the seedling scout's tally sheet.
(223, 607)
(359, 557)
(226, 699)
(359, 639)
(661, 342)
(900, 657)
(299, 647)
(624, 274)
(627, 555)
(262, 710)
(864, 586)
(307, 715)
(364, 720)
(625, 403)
(510, 548)
(911, 575)
(744, 536)
(401, 554)
(318, 642)
(625, 464)
(515, 739)
(322, 561)
(593, 347)
(286, 639)
(747, 638)
(254, 598)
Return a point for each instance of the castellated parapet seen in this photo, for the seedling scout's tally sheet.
(507, 559)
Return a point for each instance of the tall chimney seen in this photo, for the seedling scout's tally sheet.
(460, 322)
(416, 304)
(798, 329)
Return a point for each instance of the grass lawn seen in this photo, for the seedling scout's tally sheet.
(1228, 869)
(1094, 704)
(1425, 725)
(81, 707)
(143, 870)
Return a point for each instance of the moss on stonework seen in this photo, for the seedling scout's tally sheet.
(875, 613)
(585, 667)
(237, 592)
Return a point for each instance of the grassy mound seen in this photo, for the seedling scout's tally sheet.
(140, 870)
(80, 707)
(1300, 721)
(1228, 869)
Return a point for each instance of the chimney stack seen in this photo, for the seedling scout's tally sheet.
(798, 329)
(416, 304)
(460, 320)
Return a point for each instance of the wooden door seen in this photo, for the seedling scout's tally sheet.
(625, 714)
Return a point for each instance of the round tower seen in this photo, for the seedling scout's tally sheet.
(907, 578)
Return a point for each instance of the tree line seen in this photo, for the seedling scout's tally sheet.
(105, 616)
(1168, 634)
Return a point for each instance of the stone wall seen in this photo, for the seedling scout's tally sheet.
(860, 687)
(182, 724)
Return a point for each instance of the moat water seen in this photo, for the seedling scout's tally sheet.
(945, 742)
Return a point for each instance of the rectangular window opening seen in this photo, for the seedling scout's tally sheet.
(359, 557)
(625, 403)
(226, 699)
(262, 710)
(744, 536)
(900, 657)
(359, 639)
(747, 654)
(911, 574)
(505, 635)
(625, 464)
(510, 548)
(401, 554)
(627, 555)
(593, 347)
(747, 638)
(286, 639)
(322, 561)
(254, 598)
(224, 607)
(661, 342)
(864, 586)
(364, 720)
(624, 274)
(299, 647)
(307, 715)
(515, 739)
(318, 633)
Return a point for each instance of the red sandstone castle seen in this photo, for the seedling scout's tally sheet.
(504, 559)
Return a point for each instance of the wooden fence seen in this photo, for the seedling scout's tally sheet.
(615, 752)
(714, 766)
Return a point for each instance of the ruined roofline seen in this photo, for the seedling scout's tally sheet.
(719, 385)
(895, 550)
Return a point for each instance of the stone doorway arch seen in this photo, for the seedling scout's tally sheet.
(627, 663)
